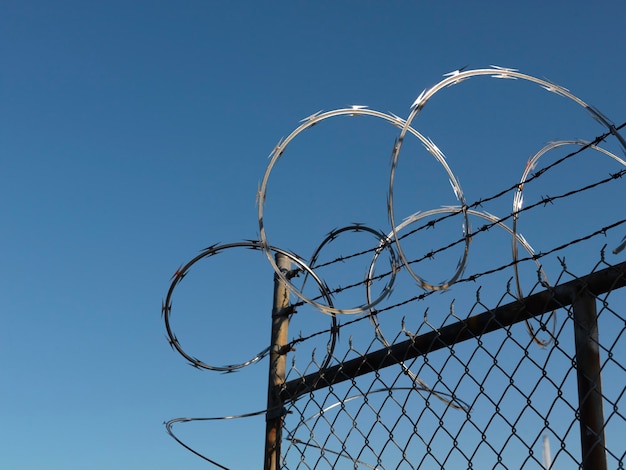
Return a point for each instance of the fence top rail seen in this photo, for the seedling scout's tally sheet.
(552, 298)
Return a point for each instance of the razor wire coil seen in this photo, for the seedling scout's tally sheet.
(390, 241)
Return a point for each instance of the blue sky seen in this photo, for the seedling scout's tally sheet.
(132, 135)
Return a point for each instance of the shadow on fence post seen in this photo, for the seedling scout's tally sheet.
(589, 378)
(277, 369)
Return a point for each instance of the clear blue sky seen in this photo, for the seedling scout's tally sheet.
(133, 134)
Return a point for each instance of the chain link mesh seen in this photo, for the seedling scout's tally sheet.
(493, 396)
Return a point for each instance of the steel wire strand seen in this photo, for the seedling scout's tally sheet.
(474, 277)
(214, 250)
(384, 243)
(169, 425)
(480, 202)
(519, 239)
(545, 200)
(519, 197)
(515, 187)
(454, 78)
(278, 152)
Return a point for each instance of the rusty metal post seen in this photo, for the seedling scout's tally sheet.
(277, 370)
(588, 372)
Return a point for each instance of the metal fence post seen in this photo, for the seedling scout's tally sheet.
(589, 377)
(277, 369)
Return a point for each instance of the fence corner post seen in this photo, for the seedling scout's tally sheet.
(277, 367)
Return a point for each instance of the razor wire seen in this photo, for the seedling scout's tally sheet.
(390, 241)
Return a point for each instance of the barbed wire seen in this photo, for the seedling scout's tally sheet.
(494, 221)
(480, 202)
(470, 279)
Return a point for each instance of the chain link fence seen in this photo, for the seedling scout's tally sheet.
(477, 392)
